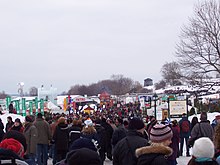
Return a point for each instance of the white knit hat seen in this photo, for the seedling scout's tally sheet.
(88, 122)
(203, 148)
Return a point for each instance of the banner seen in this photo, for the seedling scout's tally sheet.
(31, 108)
(17, 106)
(23, 104)
(42, 106)
(8, 101)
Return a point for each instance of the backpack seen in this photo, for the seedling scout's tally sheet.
(185, 127)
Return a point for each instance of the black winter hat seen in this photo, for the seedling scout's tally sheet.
(17, 136)
(18, 120)
(28, 119)
(83, 156)
(135, 123)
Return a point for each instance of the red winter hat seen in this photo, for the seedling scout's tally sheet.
(13, 145)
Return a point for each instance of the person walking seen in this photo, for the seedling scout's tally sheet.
(175, 143)
(101, 135)
(30, 133)
(193, 122)
(201, 129)
(124, 151)
(159, 150)
(1, 110)
(43, 138)
(203, 152)
(184, 125)
(216, 141)
(9, 123)
(119, 133)
(88, 138)
(109, 131)
(61, 139)
(17, 126)
(1, 130)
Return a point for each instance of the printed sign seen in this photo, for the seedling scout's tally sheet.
(177, 108)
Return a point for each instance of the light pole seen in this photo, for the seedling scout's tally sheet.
(155, 104)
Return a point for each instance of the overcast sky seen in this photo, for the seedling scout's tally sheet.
(68, 42)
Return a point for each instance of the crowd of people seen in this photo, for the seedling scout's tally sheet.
(87, 139)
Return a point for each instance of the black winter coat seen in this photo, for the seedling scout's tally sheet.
(74, 133)
(153, 155)
(124, 151)
(101, 135)
(118, 134)
(61, 137)
(1, 131)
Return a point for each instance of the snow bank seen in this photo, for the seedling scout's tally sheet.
(14, 116)
(211, 116)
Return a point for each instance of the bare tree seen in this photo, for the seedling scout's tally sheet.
(160, 84)
(117, 85)
(198, 50)
(171, 73)
(3, 95)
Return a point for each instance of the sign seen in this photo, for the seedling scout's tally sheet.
(165, 114)
(80, 99)
(177, 108)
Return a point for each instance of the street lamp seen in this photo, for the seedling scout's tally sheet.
(155, 104)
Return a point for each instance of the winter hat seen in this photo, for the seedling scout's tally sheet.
(160, 133)
(135, 123)
(203, 116)
(28, 119)
(88, 122)
(83, 156)
(18, 120)
(13, 145)
(203, 148)
(17, 136)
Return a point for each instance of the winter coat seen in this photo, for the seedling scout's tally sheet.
(8, 126)
(1, 130)
(193, 162)
(30, 133)
(124, 151)
(118, 134)
(6, 154)
(184, 134)
(74, 133)
(19, 128)
(153, 155)
(109, 132)
(101, 135)
(61, 137)
(53, 127)
(202, 129)
(44, 132)
(175, 142)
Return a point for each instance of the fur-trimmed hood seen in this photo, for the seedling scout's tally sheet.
(160, 149)
(154, 155)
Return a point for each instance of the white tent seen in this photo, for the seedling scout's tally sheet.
(53, 108)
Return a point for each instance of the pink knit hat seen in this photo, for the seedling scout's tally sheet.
(160, 133)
